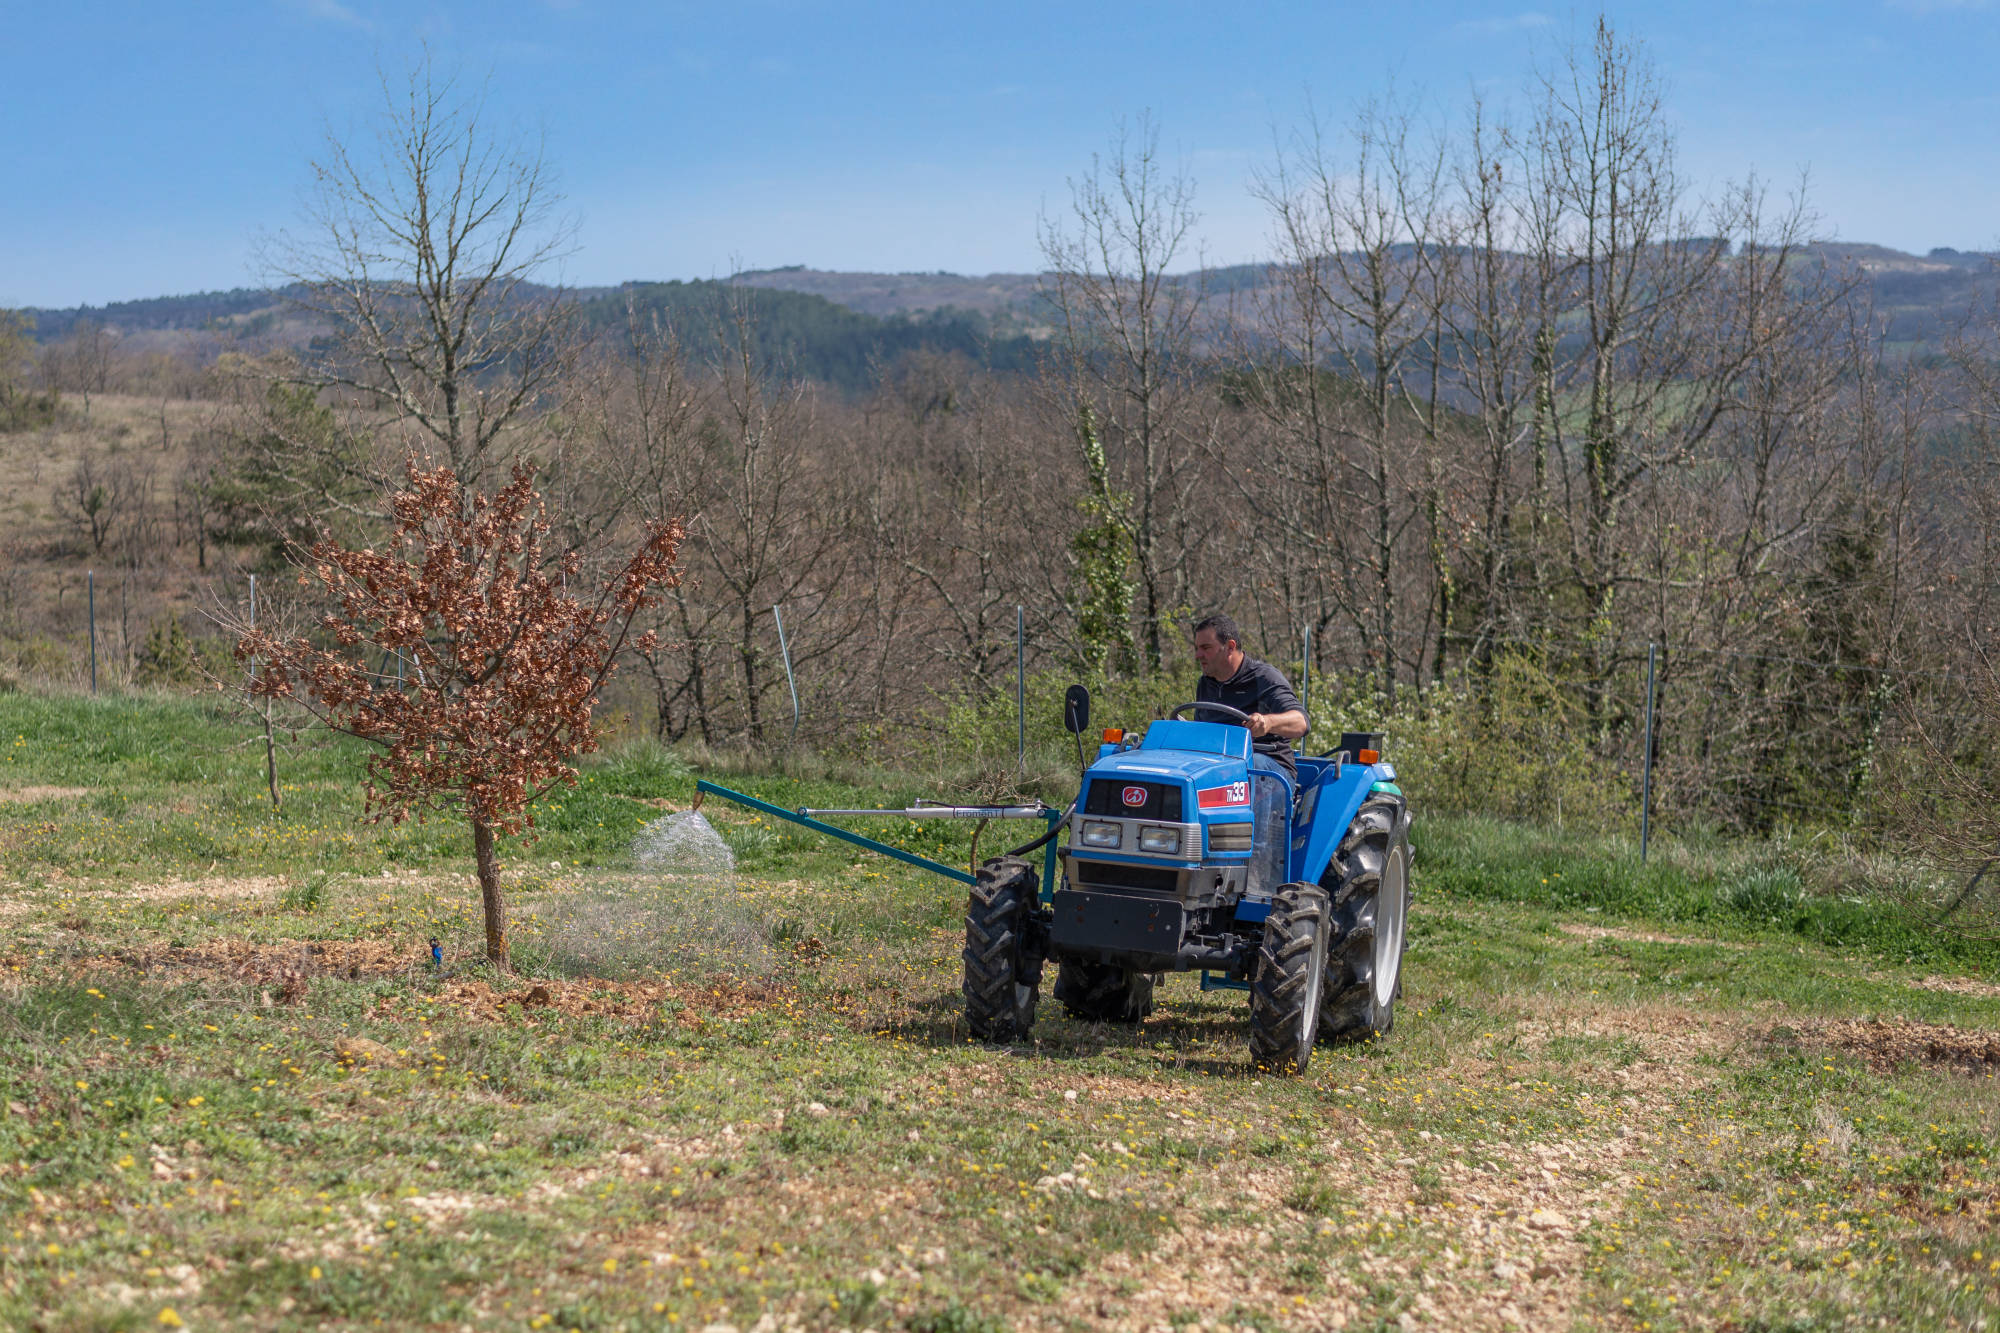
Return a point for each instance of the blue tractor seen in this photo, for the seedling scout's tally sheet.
(1185, 855)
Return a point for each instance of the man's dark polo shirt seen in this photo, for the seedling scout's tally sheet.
(1257, 687)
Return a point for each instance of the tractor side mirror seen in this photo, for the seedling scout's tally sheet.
(1076, 710)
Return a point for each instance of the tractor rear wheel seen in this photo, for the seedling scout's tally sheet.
(1003, 964)
(1285, 986)
(1369, 880)
(1103, 992)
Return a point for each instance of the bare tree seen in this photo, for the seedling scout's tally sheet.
(1127, 337)
(98, 498)
(16, 358)
(81, 363)
(719, 434)
(963, 533)
(1340, 362)
(648, 409)
(419, 251)
(1663, 324)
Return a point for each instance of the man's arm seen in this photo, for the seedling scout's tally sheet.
(1278, 712)
(1286, 726)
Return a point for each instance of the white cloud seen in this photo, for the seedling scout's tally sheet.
(330, 11)
(1494, 27)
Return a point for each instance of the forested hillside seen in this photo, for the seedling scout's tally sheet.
(834, 326)
(803, 335)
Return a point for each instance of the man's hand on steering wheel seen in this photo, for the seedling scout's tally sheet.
(1258, 723)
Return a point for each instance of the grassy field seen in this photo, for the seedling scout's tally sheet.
(237, 1095)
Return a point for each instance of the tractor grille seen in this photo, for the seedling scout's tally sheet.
(1109, 875)
(1106, 796)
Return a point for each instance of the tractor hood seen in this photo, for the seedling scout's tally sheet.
(1182, 772)
(1195, 755)
(1158, 766)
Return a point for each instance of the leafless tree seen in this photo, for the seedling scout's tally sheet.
(1128, 332)
(419, 250)
(99, 498)
(710, 429)
(1339, 359)
(80, 363)
(16, 357)
(1663, 324)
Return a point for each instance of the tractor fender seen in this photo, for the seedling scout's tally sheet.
(1324, 813)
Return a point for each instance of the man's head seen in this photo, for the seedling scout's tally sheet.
(1218, 647)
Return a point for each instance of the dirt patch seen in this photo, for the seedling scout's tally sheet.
(243, 960)
(1501, 1247)
(630, 1000)
(242, 886)
(1886, 1044)
(1666, 1034)
(31, 795)
(1959, 986)
(1585, 932)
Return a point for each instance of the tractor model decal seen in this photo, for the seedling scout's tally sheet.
(1133, 796)
(1214, 798)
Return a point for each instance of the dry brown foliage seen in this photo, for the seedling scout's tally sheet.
(503, 652)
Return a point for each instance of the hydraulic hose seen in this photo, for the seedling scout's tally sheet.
(1046, 838)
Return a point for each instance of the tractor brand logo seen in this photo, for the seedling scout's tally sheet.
(1134, 796)
(1236, 793)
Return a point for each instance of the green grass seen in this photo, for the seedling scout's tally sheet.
(1613, 1077)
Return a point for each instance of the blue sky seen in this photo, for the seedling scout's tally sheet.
(149, 145)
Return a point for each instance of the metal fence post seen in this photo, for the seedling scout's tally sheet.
(1306, 675)
(90, 579)
(785, 651)
(1021, 688)
(1646, 782)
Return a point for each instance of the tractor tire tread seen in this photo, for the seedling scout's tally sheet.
(1000, 958)
(1282, 983)
(1354, 881)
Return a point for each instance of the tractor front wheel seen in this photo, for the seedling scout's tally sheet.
(1370, 883)
(1003, 963)
(1285, 988)
(1103, 992)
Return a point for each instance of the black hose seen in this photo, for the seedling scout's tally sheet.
(1044, 840)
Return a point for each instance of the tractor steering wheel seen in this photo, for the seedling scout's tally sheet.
(1236, 713)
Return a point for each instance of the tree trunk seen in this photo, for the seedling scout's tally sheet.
(271, 760)
(489, 894)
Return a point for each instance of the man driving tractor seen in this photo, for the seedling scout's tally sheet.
(1231, 677)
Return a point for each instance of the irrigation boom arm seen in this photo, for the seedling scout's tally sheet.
(1047, 813)
(926, 810)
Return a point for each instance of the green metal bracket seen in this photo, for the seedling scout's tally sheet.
(1048, 893)
(703, 785)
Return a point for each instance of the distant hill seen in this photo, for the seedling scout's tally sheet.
(808, 334)
(994, 295)
(837, 327)
(1917, 297)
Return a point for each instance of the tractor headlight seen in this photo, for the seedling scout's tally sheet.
(1233, 837)
(1165, 841)
(1103, 835)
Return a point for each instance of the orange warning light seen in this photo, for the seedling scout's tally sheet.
(1114, 735)
(1369, 757)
